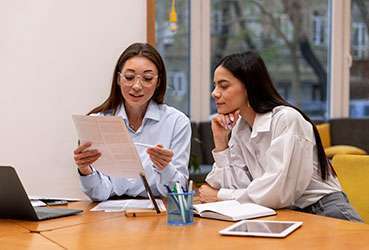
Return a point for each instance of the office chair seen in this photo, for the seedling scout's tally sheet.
(353, 174)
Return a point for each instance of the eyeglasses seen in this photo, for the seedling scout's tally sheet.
(128, 79)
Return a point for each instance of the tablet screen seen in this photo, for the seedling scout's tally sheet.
(261, 228)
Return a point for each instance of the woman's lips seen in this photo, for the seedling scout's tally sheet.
(136, 96)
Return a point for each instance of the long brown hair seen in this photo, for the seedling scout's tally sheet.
(137, 49)
(250, 69)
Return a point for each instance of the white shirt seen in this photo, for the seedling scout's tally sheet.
(274, 164)
(161, 125)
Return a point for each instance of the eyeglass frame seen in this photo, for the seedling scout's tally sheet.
(137, 77)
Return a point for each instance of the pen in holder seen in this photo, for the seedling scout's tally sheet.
(180, 208)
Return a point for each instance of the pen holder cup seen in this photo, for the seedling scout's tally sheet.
(180, 208)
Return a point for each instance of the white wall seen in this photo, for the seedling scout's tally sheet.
(57, 59)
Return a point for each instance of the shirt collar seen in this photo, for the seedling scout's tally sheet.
(152, 112)
(262, 123)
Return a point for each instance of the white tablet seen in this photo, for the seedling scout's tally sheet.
(261, 228)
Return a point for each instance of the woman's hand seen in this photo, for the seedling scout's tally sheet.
(221, 125)
(208, 194)
(160, 156)
(84, 157)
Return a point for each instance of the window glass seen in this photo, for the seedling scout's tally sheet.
(292, 38)
(173, 45)
(359, 72)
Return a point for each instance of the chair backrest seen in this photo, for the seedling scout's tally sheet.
(350, 131)
(196, 152)
(324, 133)
(353, 174)
(207, 143)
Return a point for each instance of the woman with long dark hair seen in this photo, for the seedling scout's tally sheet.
(137, 95)
(274, 156)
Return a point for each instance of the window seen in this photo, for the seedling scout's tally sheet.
(286, 27)
(217, 19)
(174, 48)
(319, 32)
(295, 40)
(359, 40)
(359, 72)
(295, 54)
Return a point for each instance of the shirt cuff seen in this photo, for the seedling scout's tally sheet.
(80, 173)
(167, 173)
(234, 194)
(221, 158)
(89, 181)
(225, 194)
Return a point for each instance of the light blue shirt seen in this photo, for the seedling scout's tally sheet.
(161, 125)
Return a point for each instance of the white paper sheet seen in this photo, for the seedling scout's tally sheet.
(110, 136)
(38, 197)
(122, 205)
(37, 203)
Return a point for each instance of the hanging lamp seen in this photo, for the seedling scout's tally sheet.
(173, 17)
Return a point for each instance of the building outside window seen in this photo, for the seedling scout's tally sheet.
(359, 40)
(295, 54)
(319, 32)
(291, 36)
(359, 72)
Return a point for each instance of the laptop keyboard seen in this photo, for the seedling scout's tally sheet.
(46, 213)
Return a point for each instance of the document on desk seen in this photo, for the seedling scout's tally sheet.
(122, 205)
(109, 135)
(37, 203)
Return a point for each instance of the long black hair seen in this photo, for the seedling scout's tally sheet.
(136, 49)
(250, 69)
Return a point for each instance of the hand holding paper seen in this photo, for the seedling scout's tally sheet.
(84, 157)
(160, 156)
(109, 136)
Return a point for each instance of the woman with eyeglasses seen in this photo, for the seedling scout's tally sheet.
(137, 95)
(274, 156)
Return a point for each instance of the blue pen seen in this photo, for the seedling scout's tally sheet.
(168, 189)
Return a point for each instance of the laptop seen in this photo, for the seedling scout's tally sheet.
(15, 204)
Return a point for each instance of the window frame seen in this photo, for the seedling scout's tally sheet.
(340, 58)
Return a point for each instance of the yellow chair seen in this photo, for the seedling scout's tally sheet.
(330, 151)
(353, 174)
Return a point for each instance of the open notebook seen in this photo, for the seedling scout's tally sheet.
(123, 205)
(231, 210)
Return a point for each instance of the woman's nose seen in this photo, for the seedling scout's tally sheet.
(137, 85)
(215, 94)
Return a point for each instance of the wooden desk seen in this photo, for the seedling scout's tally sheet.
(85, 217)
(13, 236)
(98, 230)
(7, 227)
(121, 232)
(27, 241)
